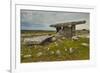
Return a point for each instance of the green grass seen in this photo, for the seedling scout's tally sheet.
(80, 52)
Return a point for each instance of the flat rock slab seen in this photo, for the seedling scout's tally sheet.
(36, 40)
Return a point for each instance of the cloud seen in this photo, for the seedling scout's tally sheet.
(33, 19)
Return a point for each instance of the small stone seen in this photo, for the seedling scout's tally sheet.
(52, 52)
(39, 54)
(56, 44)
(87, 36)
(35, 46)
(75, 38)
(63, 38)
(58, 52)
(27, 56)
(53, 39)
(71, 50)
(48, 48)
(65, 49)
(84, 44)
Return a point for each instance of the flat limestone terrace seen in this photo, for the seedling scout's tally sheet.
(38, 39)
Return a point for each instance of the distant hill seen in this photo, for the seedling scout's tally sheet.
(29, 31)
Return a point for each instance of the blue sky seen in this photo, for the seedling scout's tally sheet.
(41, 20)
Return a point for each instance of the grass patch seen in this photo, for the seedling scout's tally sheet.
(59, 50)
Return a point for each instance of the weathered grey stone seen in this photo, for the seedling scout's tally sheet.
(39, 54)
(58, 52)
(75, 38)
(71, 50)
(48, 48)
(52, 52)
(66, 49)
(56, 43)
(54, 39)
(84, 44)
(27, 56)
(38, 39)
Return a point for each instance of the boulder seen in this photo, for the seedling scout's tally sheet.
(75, 38)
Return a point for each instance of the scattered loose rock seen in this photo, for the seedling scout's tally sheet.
(51, 52)
(71, 50)
(54, 39)
(58, 52)
(84, 44)
(75, 38)
(39, 54)
(56, 43)
(66, 49)
(27, 56)
(48, 48)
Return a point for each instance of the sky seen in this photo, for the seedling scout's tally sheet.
(41, 20)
